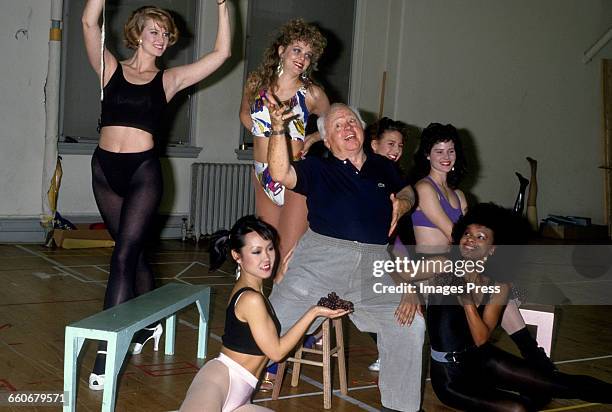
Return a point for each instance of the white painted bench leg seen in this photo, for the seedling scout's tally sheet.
(203, 307)
(116, 350)
(170, 334)
(72, 347)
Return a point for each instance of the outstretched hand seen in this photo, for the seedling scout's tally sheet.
(331, 313)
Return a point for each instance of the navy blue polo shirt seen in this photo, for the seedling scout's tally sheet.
(346, 203)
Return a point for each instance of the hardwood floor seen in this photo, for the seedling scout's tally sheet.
(44, 290)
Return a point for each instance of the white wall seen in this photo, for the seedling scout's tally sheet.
(510, 74)
(24, 34)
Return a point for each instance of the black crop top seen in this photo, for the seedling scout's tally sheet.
(237, 335)
(133, 105)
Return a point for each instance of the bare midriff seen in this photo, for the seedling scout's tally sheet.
(430, 240)
(121, 139)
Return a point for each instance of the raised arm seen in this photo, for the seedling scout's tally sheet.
(181, 77)
(92, 35)
(430, 205)
(280, 167)
(253, 307)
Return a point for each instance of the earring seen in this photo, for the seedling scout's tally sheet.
(305, 76)
(453, 169)
(279, 69)
(139, 42)
(238, 272)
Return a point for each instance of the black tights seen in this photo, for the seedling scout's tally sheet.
(482, 382)
(127, 188)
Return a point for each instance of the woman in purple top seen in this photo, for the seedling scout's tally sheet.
(439, 165)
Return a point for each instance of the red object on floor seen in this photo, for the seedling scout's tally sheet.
(97, 226)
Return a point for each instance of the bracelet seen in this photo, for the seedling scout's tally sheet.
(220, 2)
(277, 133)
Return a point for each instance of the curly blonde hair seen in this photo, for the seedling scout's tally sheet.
(264, 77)
(135, 25)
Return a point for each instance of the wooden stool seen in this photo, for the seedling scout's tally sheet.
(327, 352)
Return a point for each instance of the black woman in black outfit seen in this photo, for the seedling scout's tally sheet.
(467, 371)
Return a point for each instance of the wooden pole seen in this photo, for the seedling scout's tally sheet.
(383, 86)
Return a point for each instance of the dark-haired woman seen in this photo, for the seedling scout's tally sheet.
(251, 335)
(284, 74)
(439, 167)
(386, 138)
(468, 372)
(126, 173)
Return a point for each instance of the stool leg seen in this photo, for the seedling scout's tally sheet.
(170, 334)
(297, 365)
(340, 354)
(203, 307)
(72, 348)
(116, 350)
(278, 381)
(326, 366)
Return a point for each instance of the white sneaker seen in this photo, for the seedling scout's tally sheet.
(375, 366)
(96, 382)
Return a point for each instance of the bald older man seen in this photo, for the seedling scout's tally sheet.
(354, 201)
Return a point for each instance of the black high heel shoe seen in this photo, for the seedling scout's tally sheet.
(519, 203)
(145, 335)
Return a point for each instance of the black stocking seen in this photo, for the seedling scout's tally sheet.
(483, 384)
(519, 203)
(128, 219)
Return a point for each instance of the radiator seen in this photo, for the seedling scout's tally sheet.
(220, 194)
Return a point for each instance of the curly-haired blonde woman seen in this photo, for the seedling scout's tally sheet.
(284, 74)
(126, 173)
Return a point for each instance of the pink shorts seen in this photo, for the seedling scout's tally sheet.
(242, 383)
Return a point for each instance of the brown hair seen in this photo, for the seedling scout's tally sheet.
(264, 77)
(135, 25)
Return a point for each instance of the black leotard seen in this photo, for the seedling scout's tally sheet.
(238, 336)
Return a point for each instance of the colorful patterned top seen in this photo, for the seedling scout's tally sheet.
(297, 127)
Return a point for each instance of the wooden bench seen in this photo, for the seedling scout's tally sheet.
(117, 326)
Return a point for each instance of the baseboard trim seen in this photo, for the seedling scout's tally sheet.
(29, 230)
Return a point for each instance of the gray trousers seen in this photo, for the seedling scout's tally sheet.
(322, 264)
